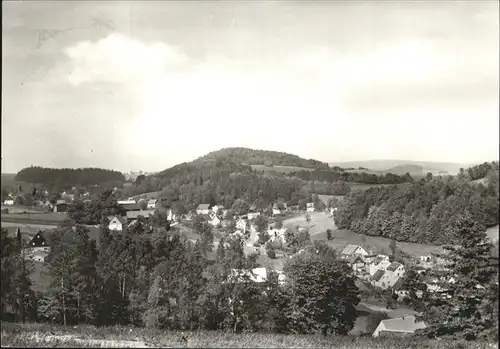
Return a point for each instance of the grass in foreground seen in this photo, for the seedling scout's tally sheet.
(43, 335)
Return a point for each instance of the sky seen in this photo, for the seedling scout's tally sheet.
(147, 85)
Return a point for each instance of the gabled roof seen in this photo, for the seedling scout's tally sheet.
(354, 258)
(203, 207)
(350, 249)
(394, 266)
(398, 285)
(122, 220)
(38, 240)
(403, 324)
(378, 275)
(135, 214)
(130, 207)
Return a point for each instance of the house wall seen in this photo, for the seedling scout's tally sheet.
(115, 225)
(379, 328)
(382, 265)
(207, 211)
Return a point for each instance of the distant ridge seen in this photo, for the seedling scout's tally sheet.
(387, 165)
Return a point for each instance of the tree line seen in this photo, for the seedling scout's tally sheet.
(358, 177)
(423, 211)
(259, 157)
(68, 177)
(161, 280)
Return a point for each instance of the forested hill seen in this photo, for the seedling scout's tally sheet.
(67, 177)
(260, 157)
(425, 210)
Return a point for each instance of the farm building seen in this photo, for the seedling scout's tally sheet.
(351, 250)
(61, 206)
(405, 325)
(131, 207)
(203, 209)
(379, 263)
(357, 263)
(132, 215)
(387, 278)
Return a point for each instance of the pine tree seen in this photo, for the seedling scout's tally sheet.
(465, 309)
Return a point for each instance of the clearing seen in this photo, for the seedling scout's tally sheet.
(321, 221)
(50, 218)
(280, 169)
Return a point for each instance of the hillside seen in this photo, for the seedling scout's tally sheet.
(413, 170)
(387, 165)
(260, 157)
(68, 177)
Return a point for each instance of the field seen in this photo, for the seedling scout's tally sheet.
(280, 169)
(321, 221)
(22, 209)
(50, 218)
(44, 335)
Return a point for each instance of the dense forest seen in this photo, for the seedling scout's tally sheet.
(358, 177)
(161, 281)
(425, 210)
(260, 157)
(68, 177)
(223, 176)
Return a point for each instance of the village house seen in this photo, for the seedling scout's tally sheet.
(252, 214)
(276, 210)
(216, 208)
(277, 234)
(9, 201)
(171, 216)
(61, 206)
(310, 207)
(381, 262)
(116, 223)
(214, 220)
(351, 250)
(241, 224)
(405, 325)
(258, 275)
(357, 263)
(38, 248)
(387, 278)
(188, 216)
(203, 209)
(153, 204)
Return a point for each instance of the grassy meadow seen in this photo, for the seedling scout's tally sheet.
(321, 221)
(280, 169)
(44, 335)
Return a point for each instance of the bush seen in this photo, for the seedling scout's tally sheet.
(256, 244)
(270, 251)
(329, 234)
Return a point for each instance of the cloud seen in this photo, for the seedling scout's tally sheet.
(119, 59)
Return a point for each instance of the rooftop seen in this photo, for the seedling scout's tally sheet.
(403, 324)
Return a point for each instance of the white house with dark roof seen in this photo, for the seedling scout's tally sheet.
(116, 223)
(214, 220)
(216, 208)
(203, 209)
(351, 250)
(387, 278)
(380, 262)
(38, 248)
(152, 203)
(241, 224)
(405, 325)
